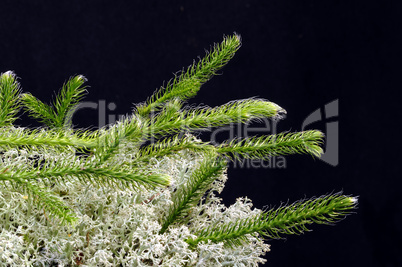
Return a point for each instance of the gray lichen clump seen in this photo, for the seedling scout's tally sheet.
(143, 191)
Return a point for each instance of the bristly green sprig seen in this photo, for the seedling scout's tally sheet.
(48, 201)
(130, 129)
(64, 171)
(23, 137)
(205, 118)
(9, 98)
(68, 98)
(171, 146)
(187, 83)
(59, 114)
(264, 147)
(189, 194)
(276, 223)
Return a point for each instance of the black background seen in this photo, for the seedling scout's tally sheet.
(299, 54)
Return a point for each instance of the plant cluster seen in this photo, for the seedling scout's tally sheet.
(142, 191)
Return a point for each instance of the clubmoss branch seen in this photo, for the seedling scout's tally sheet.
(207, 118)
(187, 83)
(49, 202)
(22, 137)
(59, 114)
(9, 98)
(100, 176)
(170, 146)
(308, 142)
(191, 192)
(286, 220)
